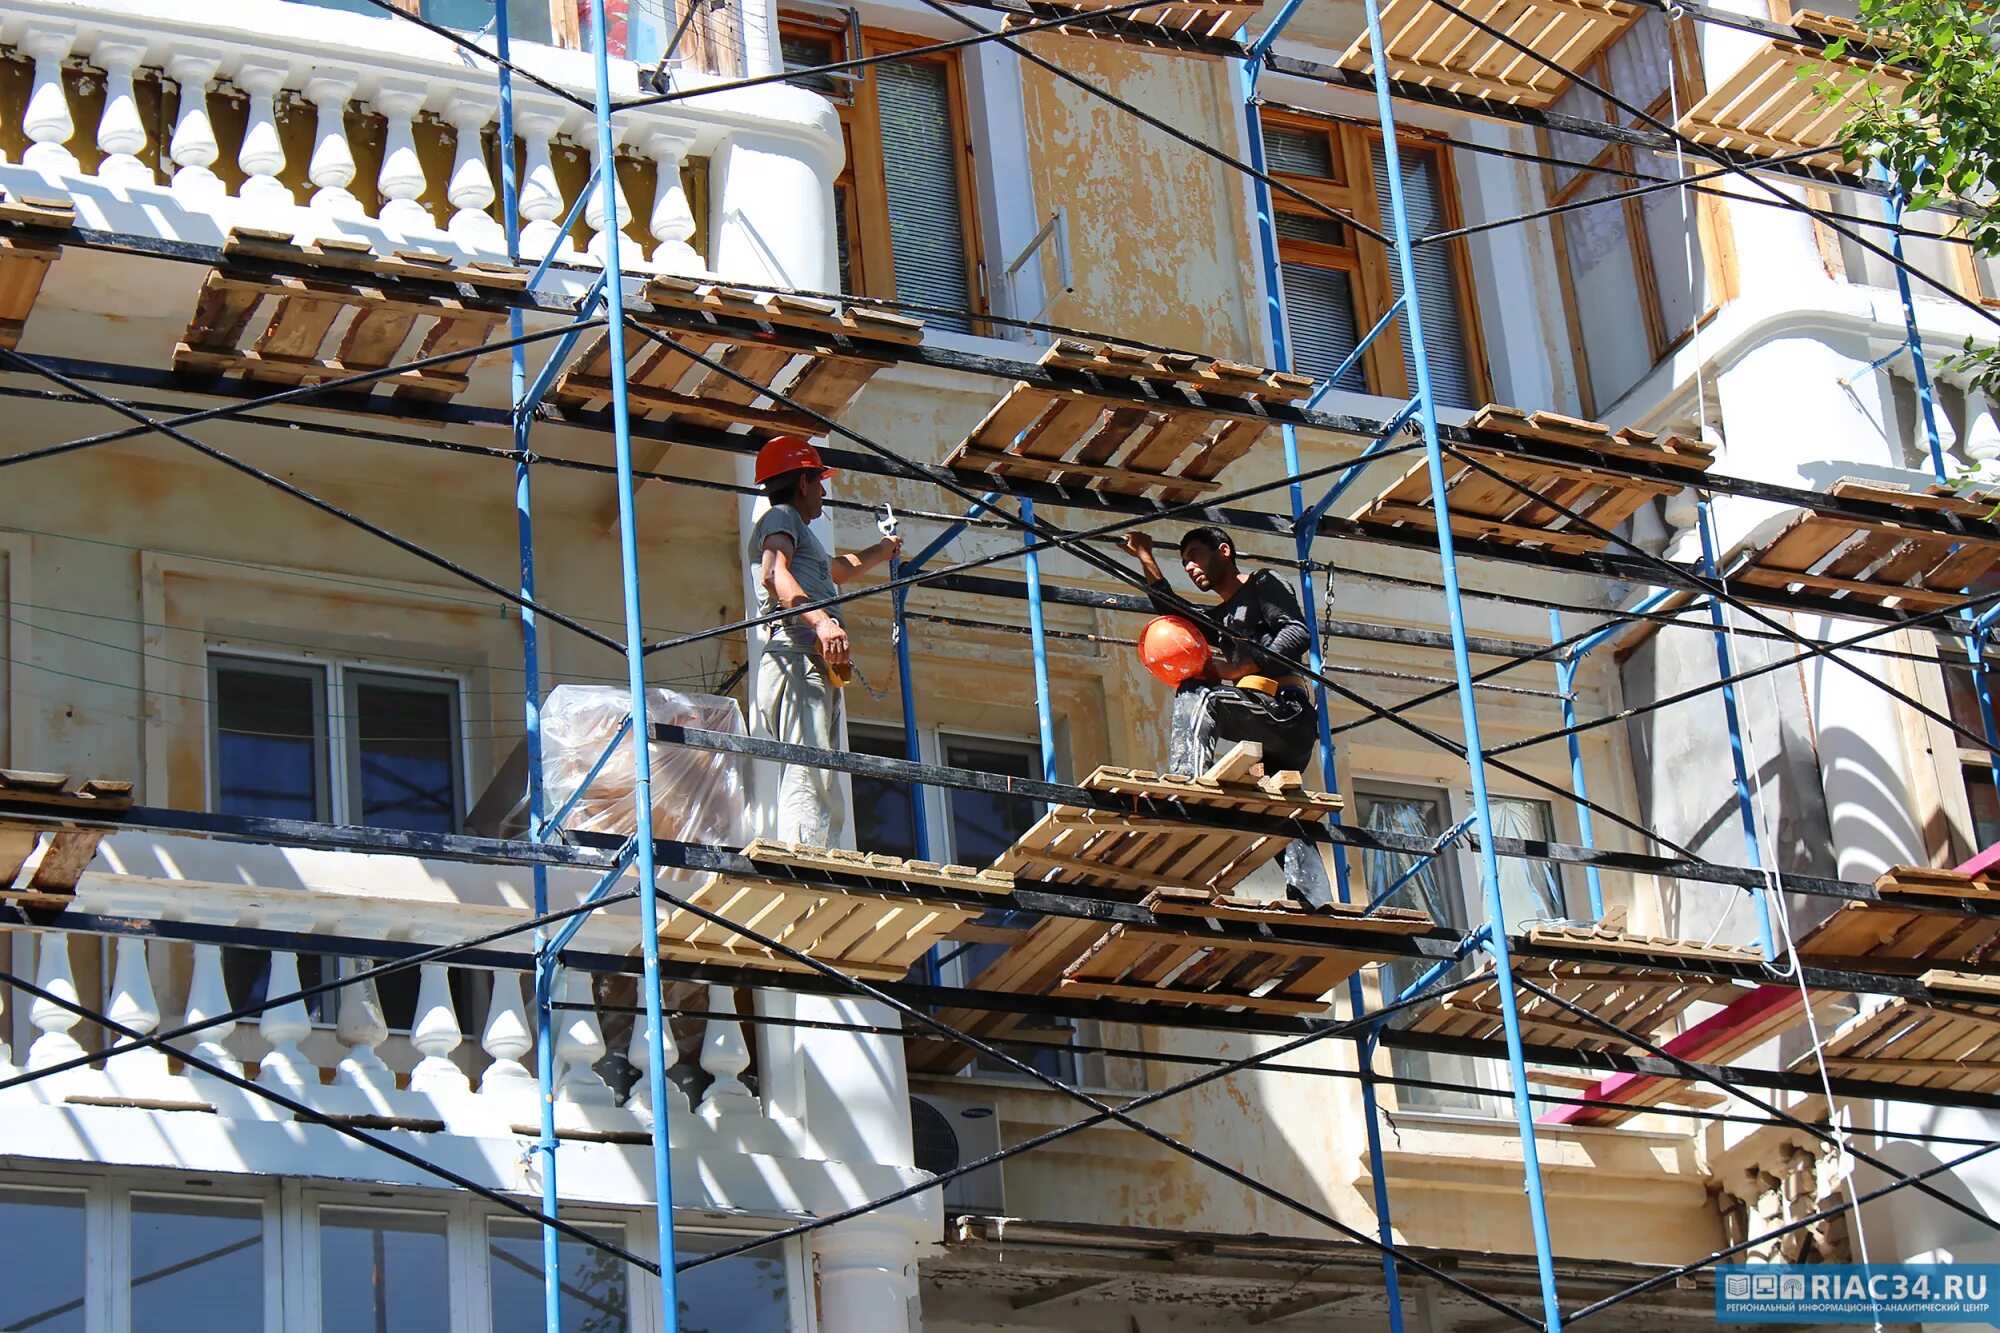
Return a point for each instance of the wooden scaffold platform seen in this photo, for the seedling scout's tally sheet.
(1430, 46)
(59, 849)
(24, 262)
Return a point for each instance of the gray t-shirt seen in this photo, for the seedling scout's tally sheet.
(811, 566)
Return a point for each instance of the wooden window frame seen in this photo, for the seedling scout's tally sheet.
(1711, 224)
(1351, 190)
(871, 258)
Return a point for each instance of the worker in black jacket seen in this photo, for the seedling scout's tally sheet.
(1252, 690)
(1258, 634)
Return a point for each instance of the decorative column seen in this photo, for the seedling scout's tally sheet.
(47, 119)
(193, 147)
(332, 167)
(593, 206)
(507, 1038)
(284, 1067)
(542, 203)
(134, 1005)
(208, 996)
(639, 1052)
(120, 132)
(672, 221)
(774, 211)
(361, 1028)
(866, 1271)
(435, 1031)
(51, 1020)
(471, 189)
(1982, 433)
(402, 176)
(579, 1044)
(262, 156)
(724, 1057)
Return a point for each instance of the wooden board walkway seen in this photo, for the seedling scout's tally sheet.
(1196, 418)
(65, 849)
(1206, 21)
(1771, 105)
(1520, 515)
(24, 263)
(1430, 46)
(296, 330)
(817, 353)
(1939, 1046)
(1883, 564)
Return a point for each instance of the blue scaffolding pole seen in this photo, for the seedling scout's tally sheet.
(1303, 531)
(1038, 635)
(1495, 939)
(1892, 210)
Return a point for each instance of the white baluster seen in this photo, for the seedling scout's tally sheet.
(361, 1028)
(208, 996)
(285, 1068)
(402, 176)
(1982, 434)
(593, 207)
(50, 1019)
(193, 147)
(331, 169)
(134, 1005)
(471, 189)
(120, 131)
(436, 1032)
(47, 120)
(725, 1056)
(541, 196)
(671, 221)
(507, 1038)
(640, 1052)
(579, 1044)
(262, 156)
(6, 1013)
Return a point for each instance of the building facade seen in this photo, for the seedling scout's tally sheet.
(196, 614)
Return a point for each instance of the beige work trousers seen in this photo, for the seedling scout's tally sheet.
(798, 707)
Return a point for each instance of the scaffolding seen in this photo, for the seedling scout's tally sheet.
(1520, 489)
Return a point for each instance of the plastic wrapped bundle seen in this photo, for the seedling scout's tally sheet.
(698, 795)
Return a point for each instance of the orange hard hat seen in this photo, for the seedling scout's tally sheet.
(788, 453)
(1172, 648)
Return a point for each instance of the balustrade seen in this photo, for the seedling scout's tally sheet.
(333, 140)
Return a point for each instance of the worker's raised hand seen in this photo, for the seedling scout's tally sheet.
(832, 642)
(1139, 544)
(890, 546)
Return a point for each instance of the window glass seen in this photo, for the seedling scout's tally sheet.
(1639, 64)
(1298, 152)
(270, 728)
(596, 1288)
(1314, 228)
(885, 818)
(1438, 296)
(805, 50)
(405, 753)
(1678, 273)
(986, 823)
(1529, 890)
(527, 20)
(387, 1272)
(1319, 321)
(920, 153)
(1598, 246)
(42, 1235)
(748, 1293)
(197, 1264)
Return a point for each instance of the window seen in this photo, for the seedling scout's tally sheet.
(1634, 279)
(596, 1291)
(333, 741)
(197, 1264)
(1338, 283)
(387, 1271)
(42, 1234)
(1447, 887)
(885, 814)
(905, 208)
(527, 20)
(1975, 765)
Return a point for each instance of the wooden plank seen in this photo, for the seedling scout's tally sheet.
(1123, 480)
(68, 852)
(1880, 594)
(16, 843)
(1102, 990)
(1019, 410)
(455, 331)
(831, 383)
(760, 365)
(703, 410)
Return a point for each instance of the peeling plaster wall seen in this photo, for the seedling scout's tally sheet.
(1157, 233)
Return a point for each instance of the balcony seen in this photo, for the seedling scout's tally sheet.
(314, 121)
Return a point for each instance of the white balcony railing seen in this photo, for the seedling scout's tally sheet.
(319, 120)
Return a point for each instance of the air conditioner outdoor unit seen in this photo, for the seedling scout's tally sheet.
(949, 1131)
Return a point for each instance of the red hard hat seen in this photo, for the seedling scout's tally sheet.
(1173, 649)
(787, 453)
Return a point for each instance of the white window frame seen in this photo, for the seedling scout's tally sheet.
(338, 746)
(1489, 1075)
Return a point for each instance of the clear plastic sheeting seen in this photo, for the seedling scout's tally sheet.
(698, 795)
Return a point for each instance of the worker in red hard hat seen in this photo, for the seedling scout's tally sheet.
(807, 656)
(1252, 689)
